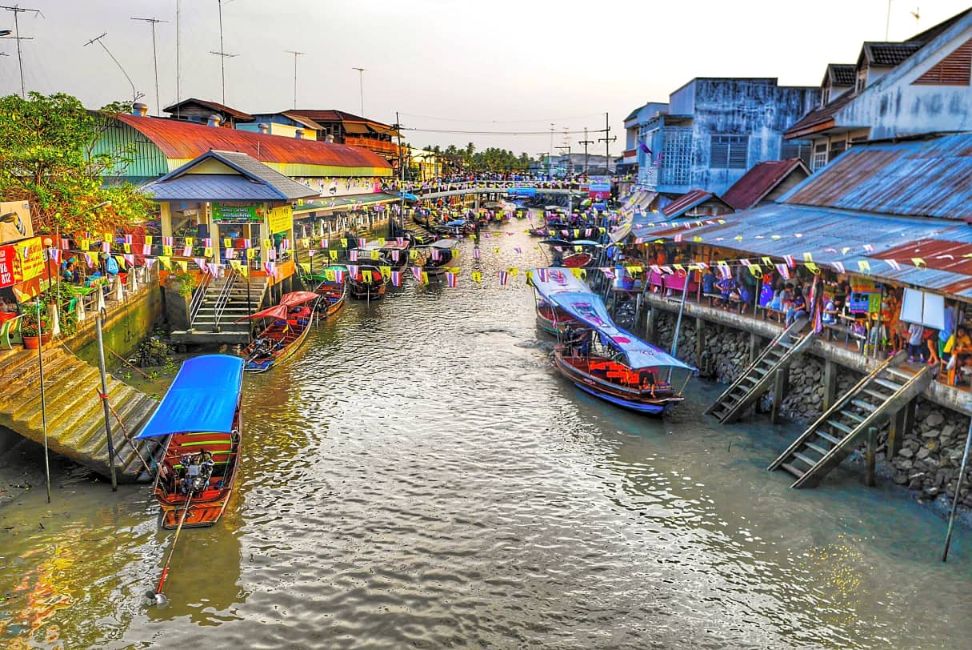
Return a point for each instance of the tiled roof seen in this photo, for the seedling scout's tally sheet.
(760, 181)
(929, 177)
(888, 54)
(181, 140)
(842, 74)
(334, 115)
(255, 182)
(215, 107)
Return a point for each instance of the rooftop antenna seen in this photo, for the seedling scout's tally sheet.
(887, 22)
(361, 72)
(155, 59)
(16, 10)
(296, 54)
(223, 55)
(178, 59)
(99, 41)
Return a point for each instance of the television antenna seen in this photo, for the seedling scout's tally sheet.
(296, 54)
(16, 11)
(155, 59)
(100, 41)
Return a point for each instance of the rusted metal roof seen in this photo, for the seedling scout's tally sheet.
(922, 177)
(819, 119)
(687, 201)
(760, 181)
(333, 115)
(215, 107)
(184, 141)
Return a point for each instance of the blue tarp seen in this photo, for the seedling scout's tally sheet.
(203, 397)
(408, 196)
(522, 191)
(571, 294)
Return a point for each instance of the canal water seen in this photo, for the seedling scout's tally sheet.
(419, 476)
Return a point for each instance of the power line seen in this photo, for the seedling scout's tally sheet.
(545, 119)
(497, 132)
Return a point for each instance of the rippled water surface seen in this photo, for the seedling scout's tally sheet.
(420, 477)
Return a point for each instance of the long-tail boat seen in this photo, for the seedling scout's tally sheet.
(366, 282)
(604, 360)
(290, 322)
(331, 285)
(201, 417)
(440, 256)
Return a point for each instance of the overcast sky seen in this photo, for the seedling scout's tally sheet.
(496, 65)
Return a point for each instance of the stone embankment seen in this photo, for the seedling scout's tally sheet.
(930, 455)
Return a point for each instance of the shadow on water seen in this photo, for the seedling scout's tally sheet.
(420, 476)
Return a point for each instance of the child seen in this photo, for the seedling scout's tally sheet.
(914, 342)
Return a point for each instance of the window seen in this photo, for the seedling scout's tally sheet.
(819, 156)
(837, 148)
(729, 152)
(799, 150)
(676, 158)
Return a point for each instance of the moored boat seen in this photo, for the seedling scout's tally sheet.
(366, 282)
(604, 360)
(440, 257)
(290, 322)
(201, 417)
(332, 287)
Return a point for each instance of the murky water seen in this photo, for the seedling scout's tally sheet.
(420, 477)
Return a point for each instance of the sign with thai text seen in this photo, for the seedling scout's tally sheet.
(7, 255)
(599, 187)
(235, 213)
(28, 259)
(280, 219)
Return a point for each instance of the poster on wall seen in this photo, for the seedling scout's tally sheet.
(235, 213)
(15, 221)
(927, 309)
(7, 255)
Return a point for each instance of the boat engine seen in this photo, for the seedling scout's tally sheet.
(199, 469)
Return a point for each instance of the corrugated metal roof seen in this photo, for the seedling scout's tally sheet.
(929, 177)
(686, 202)
(820, 117)
(760, 181)
(255, 182)
(831, 235)
(184, 141)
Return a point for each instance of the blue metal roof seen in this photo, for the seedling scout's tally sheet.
(924, 178)
(202, 398)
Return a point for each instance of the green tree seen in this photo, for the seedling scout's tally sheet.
(46, 157)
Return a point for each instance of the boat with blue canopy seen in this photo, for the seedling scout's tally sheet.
(601, 358)
(200, 417)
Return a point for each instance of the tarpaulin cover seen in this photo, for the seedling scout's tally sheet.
(572, 294)
(277, 311)
(295, 298)
(203, 397)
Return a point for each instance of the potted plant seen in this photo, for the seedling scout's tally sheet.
(30, 328)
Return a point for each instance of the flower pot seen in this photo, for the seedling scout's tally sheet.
(31, 342)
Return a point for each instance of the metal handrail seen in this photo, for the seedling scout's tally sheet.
(223, 298)
(198, 297)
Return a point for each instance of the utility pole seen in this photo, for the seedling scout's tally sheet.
(296, 54)
(607, 140)
(20, 57)
(586, 142)
(223, 55)
(361, 72)
(99, 41)
(401, 176)
(550, 154)
(178, 59)
(155, 60)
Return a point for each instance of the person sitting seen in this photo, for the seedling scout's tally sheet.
(646, 381)
(797, 308)
(708, 282)
(829, 312)
(726, 286)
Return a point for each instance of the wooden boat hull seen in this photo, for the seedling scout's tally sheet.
(332, 298)
(206, 508)
(362, 291)
(578, 260)
(292, 341)
(553, 321)
(616, 392)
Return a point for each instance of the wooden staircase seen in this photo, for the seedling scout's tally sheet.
(756, 379)
(869, 403)
(75, 415)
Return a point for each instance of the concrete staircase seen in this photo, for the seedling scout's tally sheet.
(224, 302)
(75, 415)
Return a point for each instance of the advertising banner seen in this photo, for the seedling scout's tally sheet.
(280, 219)
(7, 255)
(15, 221)
(599, 188)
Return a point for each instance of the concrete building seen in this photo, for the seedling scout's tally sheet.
(342, 127)
(914, 87)
(715, 129)
(634, 157)
(203, 111)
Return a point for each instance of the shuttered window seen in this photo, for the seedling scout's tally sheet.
(954, 70)
(729, 152)
(799, 150)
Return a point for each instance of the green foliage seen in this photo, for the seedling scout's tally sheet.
(46, 158)
(184, 284)
(492, 159)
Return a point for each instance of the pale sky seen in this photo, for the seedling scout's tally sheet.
(497, 65)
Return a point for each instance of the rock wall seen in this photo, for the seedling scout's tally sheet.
(930, 457)
(931, 454)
